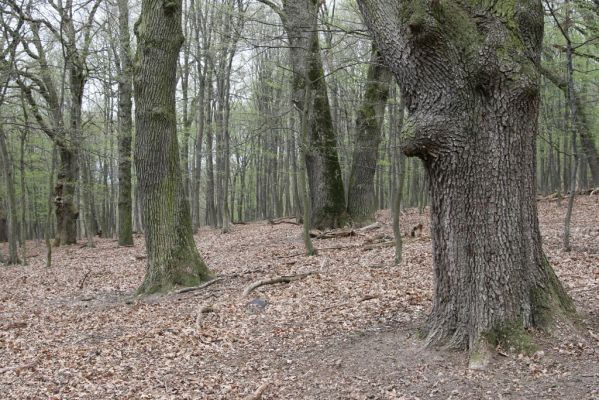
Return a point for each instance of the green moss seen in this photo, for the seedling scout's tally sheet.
(550, 300)
(163, 113)
(457, 24)
(414, 12)
(511, 335)
(170, 6)
(408, 131)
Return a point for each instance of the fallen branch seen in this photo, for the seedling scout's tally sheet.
(257, 395)
(368, 297)
(18, 368)
(270, 281)
(13, 325)
(202, 286)
(370, 227)
(285, 220)
(337, 233)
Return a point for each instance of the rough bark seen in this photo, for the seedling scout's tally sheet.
(173, 259)
(64, 196)
(13, 255)
(125, 204)
(361, 204)
(468, 73)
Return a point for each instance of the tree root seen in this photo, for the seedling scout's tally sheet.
(279, 279)
(257, 395)
(202, 286)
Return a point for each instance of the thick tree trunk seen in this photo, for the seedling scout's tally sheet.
(64, 196)
(472, 92)
(13, 236)
(360, 200)
(173, 259)
(125, 204)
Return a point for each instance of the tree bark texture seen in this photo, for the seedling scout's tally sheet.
(173, 259)
(125, 204)
(469, 77)
(64, 195)
(324, 173)
(361, 204)
(13, 255)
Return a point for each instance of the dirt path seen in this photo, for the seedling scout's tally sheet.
(348, 331)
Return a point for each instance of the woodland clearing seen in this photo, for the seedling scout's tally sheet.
(346, 330)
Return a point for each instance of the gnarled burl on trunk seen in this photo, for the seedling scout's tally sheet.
(469, 77)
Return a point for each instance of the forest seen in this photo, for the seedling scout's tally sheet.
(299, 199)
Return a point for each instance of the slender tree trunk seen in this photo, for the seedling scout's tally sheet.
(23, 232)
(210, 205)
(125, 203)
(473, 120)
(85, 188)
(398, 162)
(49, 224)
(173, 259)
(305, 122)
(360, 204)
(573, 113)
(583, 125)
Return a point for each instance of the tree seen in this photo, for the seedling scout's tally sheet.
(327, 198)
(13, 255)
(125, 229)
(469, 76)
(361, 203)
(173, 259)
(75, 41)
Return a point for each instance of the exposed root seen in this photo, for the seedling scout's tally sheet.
(278, 279)
(202, 286)
(257, 395)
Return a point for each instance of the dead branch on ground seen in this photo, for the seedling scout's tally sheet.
(279, 279)
(202, 286)
(284, 220)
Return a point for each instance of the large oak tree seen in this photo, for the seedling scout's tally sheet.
(468, 71)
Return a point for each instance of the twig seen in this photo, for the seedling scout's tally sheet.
(202, 286)
(257, 395)
(84, 278)
(279, 279)
(368, 297)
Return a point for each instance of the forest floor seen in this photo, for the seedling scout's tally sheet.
(347, 331)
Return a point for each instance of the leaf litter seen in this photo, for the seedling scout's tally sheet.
(347, 329)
